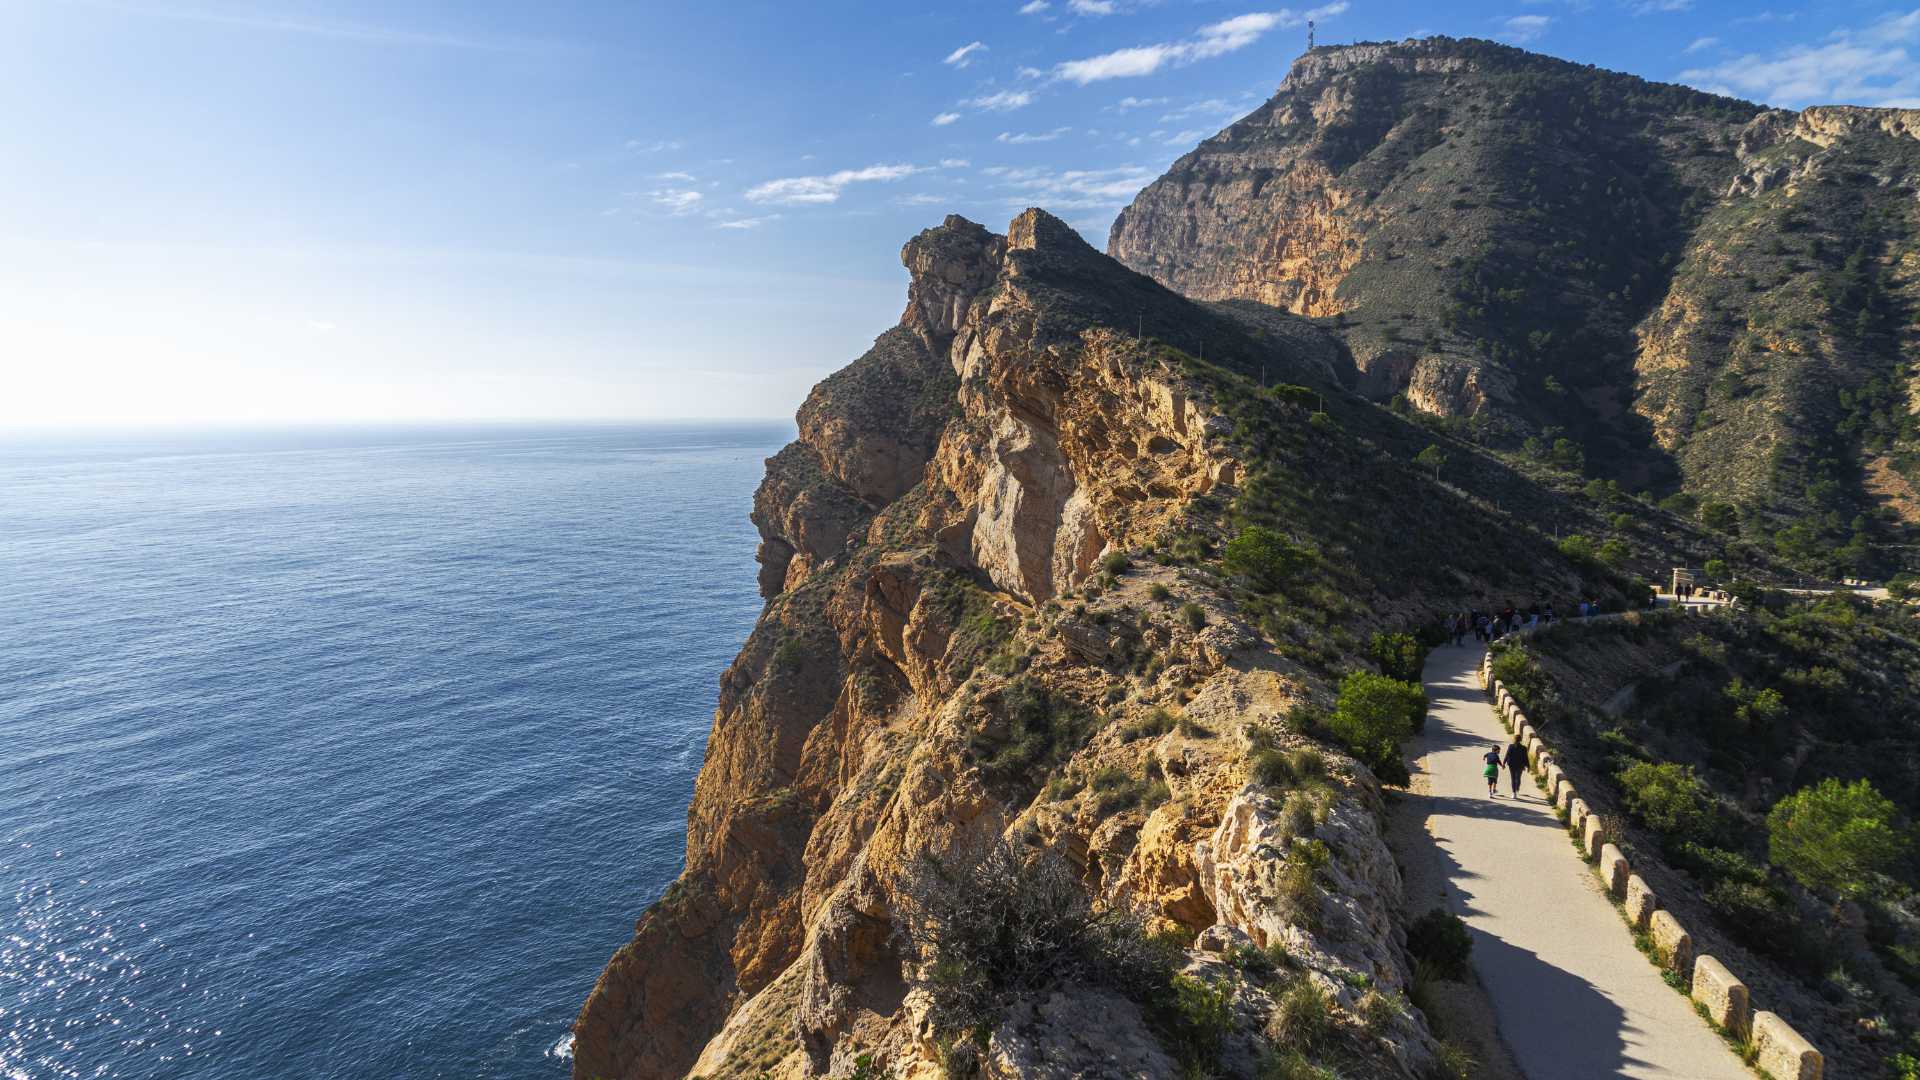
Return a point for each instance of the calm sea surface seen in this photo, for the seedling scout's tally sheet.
(349, 753)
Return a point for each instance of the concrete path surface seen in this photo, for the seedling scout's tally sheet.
(1573, 996)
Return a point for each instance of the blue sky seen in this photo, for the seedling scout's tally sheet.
(263, 212)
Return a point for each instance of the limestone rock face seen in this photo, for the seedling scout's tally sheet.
(1649, 271)
(944, 490)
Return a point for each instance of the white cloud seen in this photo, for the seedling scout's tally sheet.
(743, 224)
(1701, 43)
(1092, 7)
(684, 176)
(945, 118)
(1003, 101)
(1208, 107)
(954, 163)
(1188, 137)
(1031, 73)
(677, 202)
(1652, 7)
(1521, 29)
(803, 190)
(1019, 138)
(1870, 66)
(920, 199)
(653, 146)
(1214, 39)
(963, 56)
(1034, 8)
(1130, 102)
(1077, 189)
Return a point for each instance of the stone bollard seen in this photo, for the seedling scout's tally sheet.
(1564, 799)
(1783, 1053)
(1640, 902)
(1554, 777)
(1593, 835)
(1672, 942)
(1614, 870)
(1723, 996)
(1577, 814)
(1542, 760)
(1520, 718)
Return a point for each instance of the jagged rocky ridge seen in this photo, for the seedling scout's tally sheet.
(1708, 295)
(932, 549)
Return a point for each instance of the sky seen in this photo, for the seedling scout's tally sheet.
(259, 212)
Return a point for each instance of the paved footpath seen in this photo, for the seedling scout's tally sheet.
(1573, 996)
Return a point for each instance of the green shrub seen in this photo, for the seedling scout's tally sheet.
(1158, 592)
(1441, 940)
(1194, 1017)
(1267, 559)
(1006, 925)
(1669, 799)
(1115, 562)
(1712, 864)
(1193, 615)
(1521, 674)
(1576, 547)
(1156, 722)
(1373, 715)
(1836, 838)
(1303, 1015)
(1400, 656)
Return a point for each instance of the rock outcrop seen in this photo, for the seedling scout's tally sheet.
(953, 554)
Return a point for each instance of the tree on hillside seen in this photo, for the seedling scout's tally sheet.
(1431, 458)
(1267, 559)
(1836, 838)
(1373, 716)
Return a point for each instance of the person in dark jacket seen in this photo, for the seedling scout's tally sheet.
(1516, 763)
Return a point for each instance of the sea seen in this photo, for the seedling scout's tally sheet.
(349, 752)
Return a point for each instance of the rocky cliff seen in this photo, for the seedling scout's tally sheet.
(1703, 295)
(996, 613)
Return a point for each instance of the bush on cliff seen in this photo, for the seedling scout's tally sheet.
(1005, 925)
(1041, 730)
(1400, 656)
(1440, 941)
(1373, 716)
(1265, 557)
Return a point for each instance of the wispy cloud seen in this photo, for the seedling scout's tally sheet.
(653, 146)
(1655, 7)
(1092, 7)
(945, 118)
(1035, 7)
(1521, 29)
(1208, 107)
(1701, 44)
(745, 223)
(1869, 65)
(684, 177)
(921, 198)
(1003, 101)
(1022, 137)
(1076, 189)
(1129, 103)
(803, 190)
(954, 163)
(678, 202)
(1214, 39)
(963, 56)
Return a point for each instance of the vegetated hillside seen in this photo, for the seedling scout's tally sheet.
(1709, 735)
(1699, 296)
(1094, 624)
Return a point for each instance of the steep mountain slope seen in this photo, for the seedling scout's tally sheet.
(1702, 294)
(997, 611)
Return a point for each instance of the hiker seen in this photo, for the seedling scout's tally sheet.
(1516, 763)
(1459, 629)
(1492, 771)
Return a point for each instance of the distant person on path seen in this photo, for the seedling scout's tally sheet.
(1516, 763)
(1492, 771)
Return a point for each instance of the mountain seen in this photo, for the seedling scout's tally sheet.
(1711, 299)
(1058, 748)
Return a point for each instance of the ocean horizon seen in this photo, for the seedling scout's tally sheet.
(350, 751)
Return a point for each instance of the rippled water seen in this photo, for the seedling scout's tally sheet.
(349, 754)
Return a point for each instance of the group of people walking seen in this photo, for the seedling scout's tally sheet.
(1490, 626)
(1515, 759)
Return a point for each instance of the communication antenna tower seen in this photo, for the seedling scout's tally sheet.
(1309, 35)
